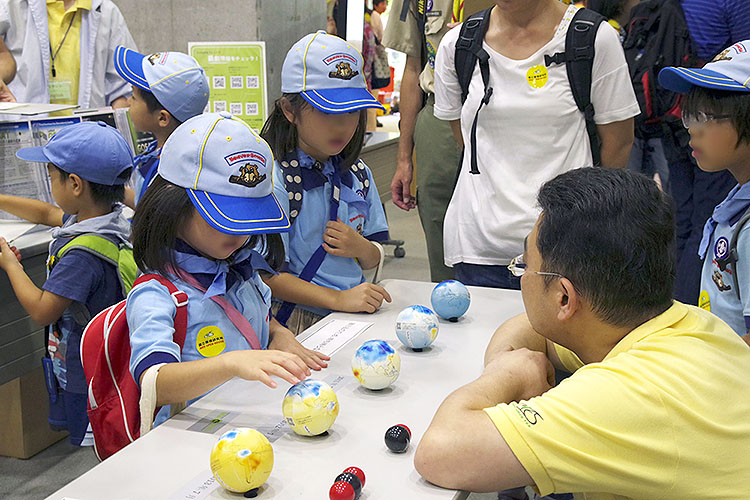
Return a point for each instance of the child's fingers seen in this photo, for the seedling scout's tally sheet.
(294, 364)
(332, 251)
(382, 292)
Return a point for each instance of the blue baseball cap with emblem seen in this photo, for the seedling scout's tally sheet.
(93, 151)
(328, 72)
(177, 81)
(730, 70)
(227, 170)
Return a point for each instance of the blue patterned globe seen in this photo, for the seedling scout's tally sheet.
(450, 299)
(417, 327)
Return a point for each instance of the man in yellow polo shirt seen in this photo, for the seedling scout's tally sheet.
(658, 405)
(65, 51)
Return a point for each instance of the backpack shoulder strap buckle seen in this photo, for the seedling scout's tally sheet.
(179, 298)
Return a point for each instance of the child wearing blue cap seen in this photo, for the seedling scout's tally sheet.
(168, 89)
(716, 112)
(209, 223)
(316, 131)
(88, 165)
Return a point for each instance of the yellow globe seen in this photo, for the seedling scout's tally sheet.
(242, 460)
(310, 407)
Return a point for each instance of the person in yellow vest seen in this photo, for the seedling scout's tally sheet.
(65, 51)
(655, 407)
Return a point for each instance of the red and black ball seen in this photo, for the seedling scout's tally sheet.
(341, 490)
(397, 438)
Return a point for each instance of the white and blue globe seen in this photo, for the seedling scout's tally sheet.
(376, 365)
(450, 299)
(417, 327)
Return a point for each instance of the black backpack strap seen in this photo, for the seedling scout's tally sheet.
(469, 51)
(579, 62)
(469, 43)
(290, 171)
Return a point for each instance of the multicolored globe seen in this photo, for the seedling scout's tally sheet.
(376, 365)
(417, 326)
(450, 299)
(310, 407)
(242, 460)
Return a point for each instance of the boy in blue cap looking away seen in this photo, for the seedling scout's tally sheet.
(716, 113)
(88, 165)
(168, 89)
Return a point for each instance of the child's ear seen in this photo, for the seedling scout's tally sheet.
(286, 108)
(165, 119)
(76, 184)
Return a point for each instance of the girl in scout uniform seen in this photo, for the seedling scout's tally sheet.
(316, 131)
(201, 225)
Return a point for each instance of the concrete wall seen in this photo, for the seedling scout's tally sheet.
(170, 24)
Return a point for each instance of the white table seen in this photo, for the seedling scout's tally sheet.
(172, 462)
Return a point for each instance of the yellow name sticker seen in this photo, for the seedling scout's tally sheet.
(210, 341)
(537, 76)
(704, 301)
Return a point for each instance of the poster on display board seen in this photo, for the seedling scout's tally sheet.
(236, 74)
(30, 179)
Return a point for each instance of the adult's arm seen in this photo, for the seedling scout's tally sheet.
(480, 458)
(617, 140)
(517, 333)
(7, 63)
(410, 104)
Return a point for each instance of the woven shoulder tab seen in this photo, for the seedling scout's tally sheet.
(290, 171)
(360, 172)
(470, 39)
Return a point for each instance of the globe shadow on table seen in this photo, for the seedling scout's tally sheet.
(332, 437)
(391, 392)
(431, 351)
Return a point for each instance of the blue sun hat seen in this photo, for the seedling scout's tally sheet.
(177, 80)
(93, 151)
(227, 170)
(730, 70)
(328, 72)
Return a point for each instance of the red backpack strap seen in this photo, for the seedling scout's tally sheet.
(180, 299)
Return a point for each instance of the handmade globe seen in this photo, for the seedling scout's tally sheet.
(242, 460)
(376, 365)
(450, 299)
(310, 407)
(417, 326)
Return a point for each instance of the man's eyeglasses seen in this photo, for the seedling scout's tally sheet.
(517, 267)
(700, 118)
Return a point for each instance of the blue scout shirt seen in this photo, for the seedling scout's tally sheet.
(145, 168)
(365, 214)
(86, 280)
(717, 287)
(150, 310)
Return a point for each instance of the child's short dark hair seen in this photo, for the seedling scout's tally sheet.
(721, 102)
(282, 135)
(101, 193)
(161, 212)
(152, 103)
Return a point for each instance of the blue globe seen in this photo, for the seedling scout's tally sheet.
(450, 299)
(417, 327)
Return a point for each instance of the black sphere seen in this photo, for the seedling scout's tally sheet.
(351, 479)
(397, 438)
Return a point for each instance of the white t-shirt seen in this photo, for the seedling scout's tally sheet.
(530, 132)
